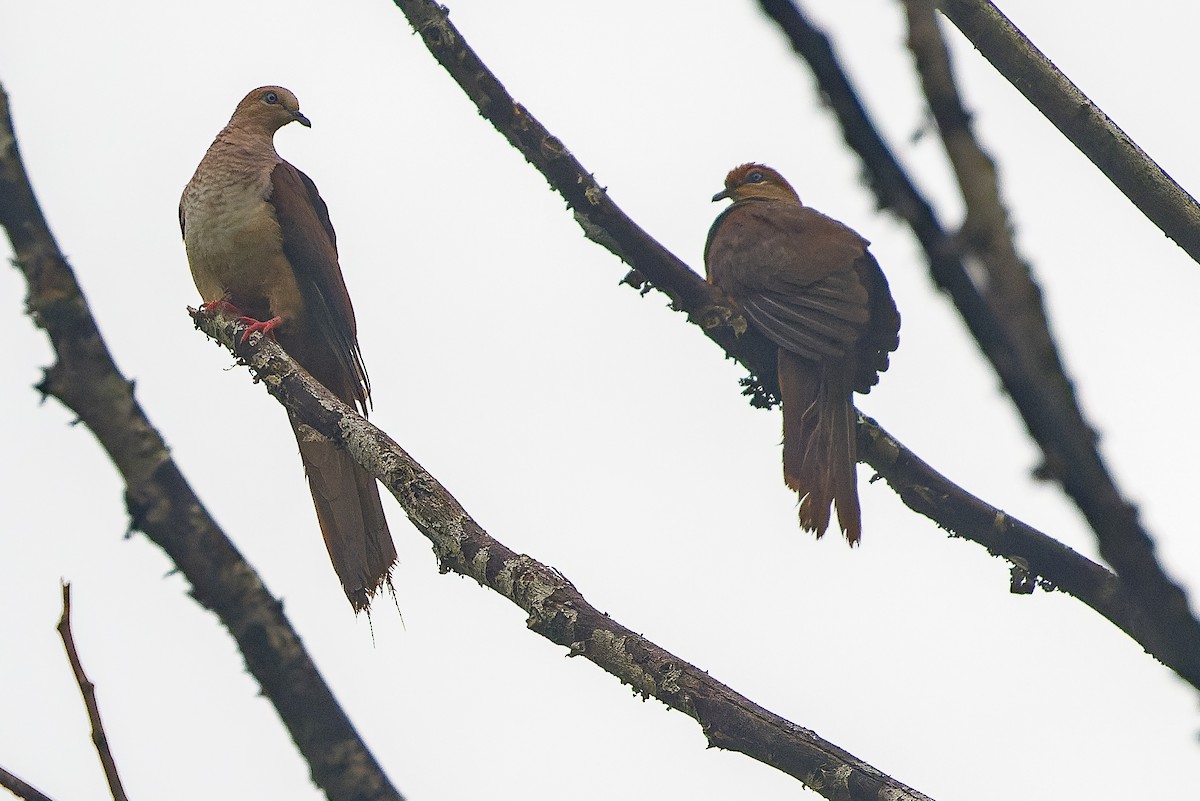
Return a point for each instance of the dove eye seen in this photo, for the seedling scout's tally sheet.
(755, 177)
(271, 98)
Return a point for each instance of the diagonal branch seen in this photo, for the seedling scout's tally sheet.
(557, 610)
(99, 738)
(1009, 289)
(1036, 558)
(163, 505)
(603, 222)
(1164, 202)
(1024, 358)
(21, 789)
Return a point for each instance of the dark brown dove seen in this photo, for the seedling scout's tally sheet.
(809, 284)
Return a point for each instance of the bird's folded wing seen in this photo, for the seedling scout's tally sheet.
(311, 246)
(822, 319)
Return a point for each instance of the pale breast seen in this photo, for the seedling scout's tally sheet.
(233, 240)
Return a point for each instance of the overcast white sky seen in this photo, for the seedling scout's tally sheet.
(579, 423)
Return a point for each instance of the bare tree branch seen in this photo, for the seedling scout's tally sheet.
(1036, 558)
(99, 738)
(1010, 288)
(1026, 362)
(1147, 185)
(163, 505)
(557, 610)
(603, 222)
(20, 788)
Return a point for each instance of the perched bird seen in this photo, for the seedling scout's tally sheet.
(259, 240)
(808, 283)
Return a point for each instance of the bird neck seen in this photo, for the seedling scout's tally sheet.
(254, 141)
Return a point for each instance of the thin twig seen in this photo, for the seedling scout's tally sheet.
(99, 738)
(557, 610)
(20, 788)
(607, 224)
(163, 505)
(1164, 202)
(1044, 397)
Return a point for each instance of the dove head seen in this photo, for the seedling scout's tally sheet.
(756, 181)
(268, 108)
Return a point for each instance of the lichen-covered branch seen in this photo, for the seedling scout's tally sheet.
(1023, 357)
(556, 610)
(1147, 185)
(1038, 555)
(162, 504)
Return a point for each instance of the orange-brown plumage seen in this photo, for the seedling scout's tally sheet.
(809, 284)
(258, 237)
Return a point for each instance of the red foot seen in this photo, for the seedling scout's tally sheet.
(223, 304)
(252, 325)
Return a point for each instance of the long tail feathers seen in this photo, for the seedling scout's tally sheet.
(819, 445)
(351, 517)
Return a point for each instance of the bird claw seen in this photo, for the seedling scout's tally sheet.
(223, 304)
(714, 316)
(262, 326)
